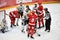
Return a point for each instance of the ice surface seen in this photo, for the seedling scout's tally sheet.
(16, 34)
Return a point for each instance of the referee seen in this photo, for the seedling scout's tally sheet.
(20, 9)
(47, 20)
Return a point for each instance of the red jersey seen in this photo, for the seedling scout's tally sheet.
(16, 14)
(40, 11)
(11, 15)
(32, 19)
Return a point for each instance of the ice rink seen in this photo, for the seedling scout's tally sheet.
(16, 34)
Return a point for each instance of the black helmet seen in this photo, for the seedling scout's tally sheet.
(27, 6)
(35, 4)
(45, 8)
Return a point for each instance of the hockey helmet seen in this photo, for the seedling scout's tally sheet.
(45, 8)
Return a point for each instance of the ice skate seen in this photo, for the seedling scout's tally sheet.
(48, 30)
(28, 35)
(17, 25)
(32, 37)
(23, 31)
(11, 26)
(45, 30)
(14, 25)
(39, 27)
(3, 30)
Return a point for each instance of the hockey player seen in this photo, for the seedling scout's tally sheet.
(24, 19)
(20, 11)
(35, 7)
(28, 10)
(31, 24)
(40, 15)
(16, 16)
(47, 20)
(4, 26)
(12, 18)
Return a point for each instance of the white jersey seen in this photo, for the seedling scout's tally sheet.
(47, 15)
(34, 8)
(4, 24)
(20, 8)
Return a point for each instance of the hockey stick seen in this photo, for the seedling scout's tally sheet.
(37, 32)
(7, 14)
(36, 29)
